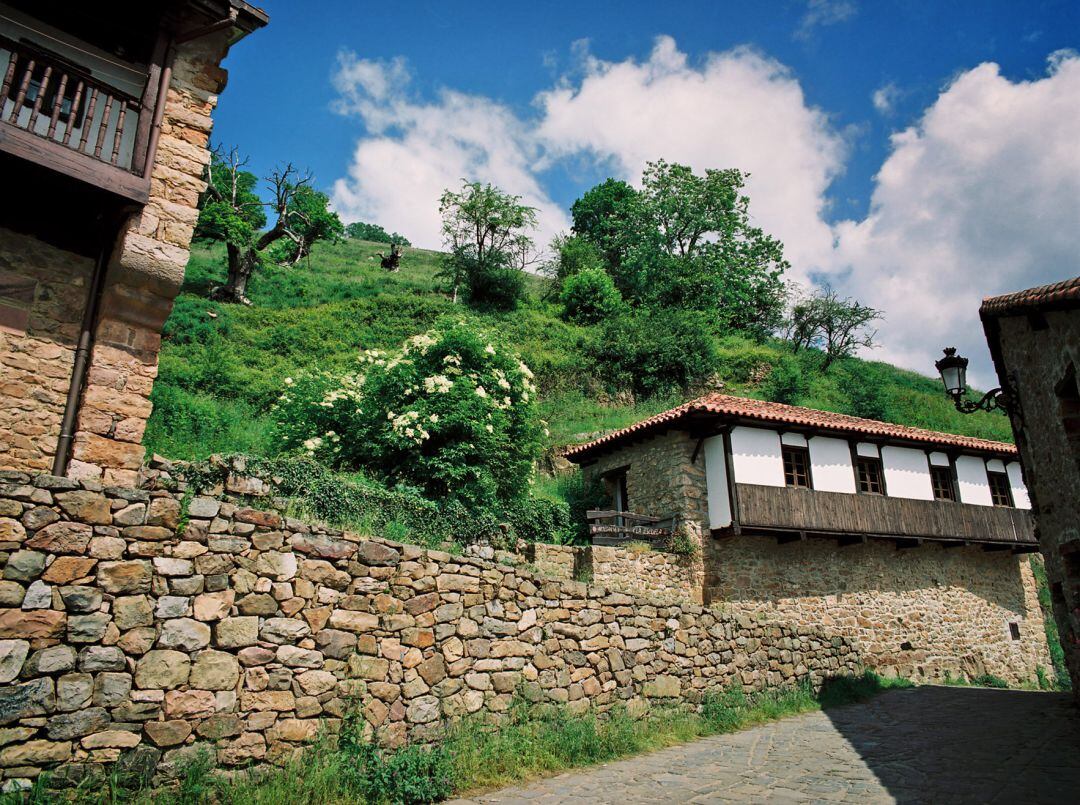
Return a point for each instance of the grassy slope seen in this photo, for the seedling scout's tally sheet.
(222, 365)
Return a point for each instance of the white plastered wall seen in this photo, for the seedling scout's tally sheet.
(907, 473)
(716, 482)
(830, 465)
(755, 452)
(971, 476)
(1016, 481)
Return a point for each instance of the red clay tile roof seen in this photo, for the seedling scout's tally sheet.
(724, 405)
(1065, 293)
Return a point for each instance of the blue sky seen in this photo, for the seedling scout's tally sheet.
(846, 111)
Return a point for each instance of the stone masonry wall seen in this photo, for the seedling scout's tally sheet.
(132, 630)
(145, 274)
(916, 612)
(662, 479)
(35, 365)
(1048, 436)
(652, 574)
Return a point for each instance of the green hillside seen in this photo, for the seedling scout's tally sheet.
(222, 366)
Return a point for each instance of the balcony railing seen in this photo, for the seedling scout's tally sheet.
(617, 528)
(805, 510)
(55, 113)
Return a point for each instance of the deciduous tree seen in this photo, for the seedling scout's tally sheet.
(486, 232)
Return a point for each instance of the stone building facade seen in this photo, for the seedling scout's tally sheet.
(920, 603)
(93, 256)
(1034, 338)
(139, 629)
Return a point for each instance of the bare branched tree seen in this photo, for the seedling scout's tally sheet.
(836, 325)
(234, 213)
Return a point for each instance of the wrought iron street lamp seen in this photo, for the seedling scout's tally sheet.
(953, 371)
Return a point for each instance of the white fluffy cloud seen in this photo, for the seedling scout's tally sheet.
(980, 197)
(414, 150)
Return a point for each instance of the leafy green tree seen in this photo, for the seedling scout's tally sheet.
(590, 296)
(314, 221)
(231, 211)
(375, 233)
(605, 217)
(685, 240)
(452, 412)
(486, 233)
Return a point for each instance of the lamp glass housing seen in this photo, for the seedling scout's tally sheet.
(953, 370)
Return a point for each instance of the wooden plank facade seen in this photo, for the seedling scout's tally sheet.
(807, 510)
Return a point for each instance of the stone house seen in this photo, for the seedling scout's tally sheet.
(104, 130)
(1034, 338)
(908, 541)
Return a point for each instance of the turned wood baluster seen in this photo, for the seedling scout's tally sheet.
(35, 112)
(9, 76)
(73, 114)
(104, 125)
(21, 96)
(121, 124)
(58, 102)
(88, 121)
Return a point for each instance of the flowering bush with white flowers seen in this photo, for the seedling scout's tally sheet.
(451, 412)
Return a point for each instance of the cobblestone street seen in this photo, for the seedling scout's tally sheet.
(928, 744)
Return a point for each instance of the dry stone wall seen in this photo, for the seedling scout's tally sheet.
(135, 629)
(919, 613)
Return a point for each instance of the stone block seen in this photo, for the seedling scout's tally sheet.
(237, 632)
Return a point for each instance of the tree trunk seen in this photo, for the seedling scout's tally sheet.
(242, 263)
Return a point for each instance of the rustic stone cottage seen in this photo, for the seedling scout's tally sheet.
(910, 541)
(104, 129)
(1034, 338)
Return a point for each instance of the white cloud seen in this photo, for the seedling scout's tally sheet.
(981, 197)
(820, 13)
(414, 150)
(885, 98)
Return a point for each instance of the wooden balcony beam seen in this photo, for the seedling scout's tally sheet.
(34, 148)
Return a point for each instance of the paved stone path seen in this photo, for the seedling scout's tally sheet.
(928, 744)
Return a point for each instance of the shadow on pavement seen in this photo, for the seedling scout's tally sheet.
(945, 744)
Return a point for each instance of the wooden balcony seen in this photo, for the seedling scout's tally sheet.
(618, 528)
(55, 114)
(798, 512)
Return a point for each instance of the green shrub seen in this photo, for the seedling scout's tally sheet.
(864, 385)
(786, 382)
(449, 413)
(657, 351)
(590, 296)
(493, 284)
(989, 681)
(539, 519)
(411, 774)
